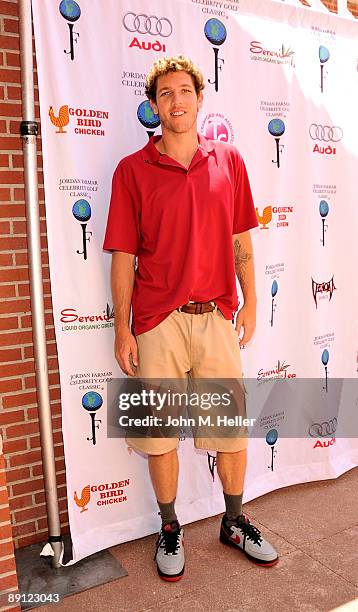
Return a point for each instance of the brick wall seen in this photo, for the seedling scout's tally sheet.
(18, 409)
(8, 578)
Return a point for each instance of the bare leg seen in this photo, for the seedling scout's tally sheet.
(231, 469)
(164, 471)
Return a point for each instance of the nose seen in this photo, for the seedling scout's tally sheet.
(177, 98)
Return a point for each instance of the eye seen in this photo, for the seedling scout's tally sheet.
(164, 93)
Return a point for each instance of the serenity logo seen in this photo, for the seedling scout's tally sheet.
(278, 371)
(215, 32)
(70, 10)
(75, 322)
(283, 55)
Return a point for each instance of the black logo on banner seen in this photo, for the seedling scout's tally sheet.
(325, 133)
(215, 32)
(70, 10)
(323, 430)
(211, 465)
(144, 24)
(328, 287)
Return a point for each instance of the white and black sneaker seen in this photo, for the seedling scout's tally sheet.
(247, 538)
(169, 553)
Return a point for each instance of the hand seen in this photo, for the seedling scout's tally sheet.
(126, 350)
(246, 318)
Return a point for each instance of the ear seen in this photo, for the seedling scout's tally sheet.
(200, 99)
(153, 107)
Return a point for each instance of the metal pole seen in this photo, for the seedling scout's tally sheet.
(29, 130)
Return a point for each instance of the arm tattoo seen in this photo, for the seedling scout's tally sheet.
(242, 257)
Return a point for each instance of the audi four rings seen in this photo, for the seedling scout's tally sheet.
(323, 430)
(325, 133)
(144, 24)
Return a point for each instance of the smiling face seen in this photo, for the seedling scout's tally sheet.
(177, 103)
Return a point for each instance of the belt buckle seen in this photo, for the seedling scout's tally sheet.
(180, 307)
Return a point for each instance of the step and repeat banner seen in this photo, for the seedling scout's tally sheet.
(281, 85)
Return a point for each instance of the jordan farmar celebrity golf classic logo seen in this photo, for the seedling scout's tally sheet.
(215, 32)
(71, 12)
(276, 128)
(324, 55)
(81, 211)
(147, 118)
(81, 121)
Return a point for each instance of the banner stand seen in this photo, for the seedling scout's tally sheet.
(29, 131)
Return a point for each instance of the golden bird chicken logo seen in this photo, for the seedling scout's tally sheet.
(265, 218)
(84, 500)
(62, 120)
(280, 219)
(88, 121)
(108, 493)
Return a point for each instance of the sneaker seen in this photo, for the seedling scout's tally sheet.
(169, 553)
(247, 538)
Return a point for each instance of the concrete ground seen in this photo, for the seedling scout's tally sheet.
(315, 529)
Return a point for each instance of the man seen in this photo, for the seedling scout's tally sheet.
(182, 205)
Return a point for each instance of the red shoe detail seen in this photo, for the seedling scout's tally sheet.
(175, 579)
(269, 564)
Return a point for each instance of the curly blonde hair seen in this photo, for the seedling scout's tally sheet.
(173, 63)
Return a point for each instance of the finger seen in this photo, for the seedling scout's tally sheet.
(239, 323)
(248, 333)
(134, 351)
(127, 365)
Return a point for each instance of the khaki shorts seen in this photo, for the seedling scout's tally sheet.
(201, 346)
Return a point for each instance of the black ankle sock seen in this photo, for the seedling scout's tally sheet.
(233, 505)
(167, 512)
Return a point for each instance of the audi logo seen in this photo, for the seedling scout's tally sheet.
(325, 133)
(323, 430)
(144, 24)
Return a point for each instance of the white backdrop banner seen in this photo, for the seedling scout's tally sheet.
(281, 85)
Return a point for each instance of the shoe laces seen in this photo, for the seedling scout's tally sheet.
(169, 539)
(250, 531)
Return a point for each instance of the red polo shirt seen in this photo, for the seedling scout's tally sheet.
(180, 222)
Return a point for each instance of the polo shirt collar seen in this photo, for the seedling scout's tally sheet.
(152, 155)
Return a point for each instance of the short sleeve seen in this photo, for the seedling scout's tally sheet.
(122, 232)
(244, 209)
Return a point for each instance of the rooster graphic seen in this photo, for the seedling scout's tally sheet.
(84, 499)
(265, 218)
(62, 120)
